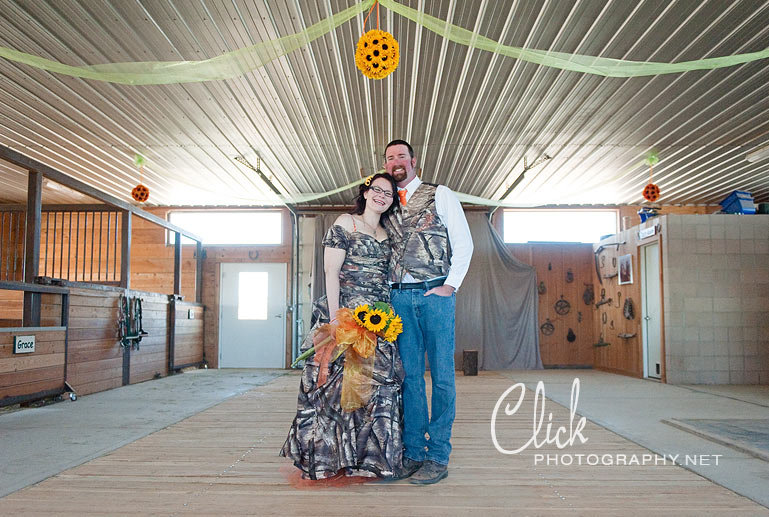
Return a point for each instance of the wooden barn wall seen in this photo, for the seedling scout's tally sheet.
(152, 260)
(216, 255)
(151, 359)
(11, 308)
(36, 372)
(188, 341)
(623, 355)
(95, 360)
(552, 261)
(11, 245)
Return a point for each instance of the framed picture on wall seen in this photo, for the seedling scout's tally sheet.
(625, 268)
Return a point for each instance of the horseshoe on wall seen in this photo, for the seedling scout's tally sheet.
(253, 255)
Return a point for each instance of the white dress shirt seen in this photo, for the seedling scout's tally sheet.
(453, 218)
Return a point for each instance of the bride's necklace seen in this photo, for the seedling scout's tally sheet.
(371, 228)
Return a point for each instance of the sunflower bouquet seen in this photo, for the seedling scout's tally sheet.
(379, 318)
(355, 332)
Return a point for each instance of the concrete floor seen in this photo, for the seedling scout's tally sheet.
(40, 442)
(636, 409)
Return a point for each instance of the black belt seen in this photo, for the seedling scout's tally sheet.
(418, 285)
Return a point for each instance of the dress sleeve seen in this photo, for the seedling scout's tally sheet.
(336, 237)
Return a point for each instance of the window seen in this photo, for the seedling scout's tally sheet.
(252, 295)
(559, 225)
(229, 228)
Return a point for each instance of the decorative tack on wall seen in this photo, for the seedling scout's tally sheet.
(542, 288)
(628, 310)
(377, 54)
(569, 276)
(562, 307)
(589, 295)
(571, 337)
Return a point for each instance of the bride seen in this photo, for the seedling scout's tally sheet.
(324, 439)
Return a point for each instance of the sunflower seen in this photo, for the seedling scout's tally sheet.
(376, 320)
(360, 314)
(377, 54)
(393, 329)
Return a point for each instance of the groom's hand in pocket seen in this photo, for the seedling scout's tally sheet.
(441, 290)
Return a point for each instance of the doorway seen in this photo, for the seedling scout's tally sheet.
(651, 311)
(252, 315)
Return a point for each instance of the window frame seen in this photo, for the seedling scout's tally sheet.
(616, 212)
(170, 234)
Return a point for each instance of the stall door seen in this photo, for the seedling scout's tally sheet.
(651, 311)
(252, 310)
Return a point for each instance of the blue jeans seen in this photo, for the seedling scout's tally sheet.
(428, 326)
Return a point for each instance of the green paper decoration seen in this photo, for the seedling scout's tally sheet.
(239, 62)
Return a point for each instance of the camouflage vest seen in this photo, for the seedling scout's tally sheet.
(420, 241)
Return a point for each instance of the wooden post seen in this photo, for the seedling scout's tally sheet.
(125, 251)
(178, 264)
(31, 316)
(199, 274)
(171, 332)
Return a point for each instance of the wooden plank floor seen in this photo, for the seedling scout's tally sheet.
(225, 461)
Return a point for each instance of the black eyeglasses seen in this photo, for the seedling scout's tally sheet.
(383, 192)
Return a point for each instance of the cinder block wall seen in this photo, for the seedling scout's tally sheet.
(716, 298)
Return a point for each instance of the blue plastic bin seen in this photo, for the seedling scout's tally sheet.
(739, 202)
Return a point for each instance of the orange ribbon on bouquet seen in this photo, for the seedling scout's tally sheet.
(358, 344)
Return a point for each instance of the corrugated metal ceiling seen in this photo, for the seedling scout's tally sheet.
(312, 121)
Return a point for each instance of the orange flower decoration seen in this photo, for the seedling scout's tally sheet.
(140, 193)
(377, 54)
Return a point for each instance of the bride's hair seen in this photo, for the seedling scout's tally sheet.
(360, 201)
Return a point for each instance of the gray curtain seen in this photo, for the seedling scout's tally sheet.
(497, 305)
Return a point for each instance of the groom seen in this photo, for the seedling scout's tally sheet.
(432, 247)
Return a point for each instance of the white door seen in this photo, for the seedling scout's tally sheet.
(252, 310)
(651, 310)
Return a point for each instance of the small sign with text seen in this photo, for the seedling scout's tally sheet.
(23, 344)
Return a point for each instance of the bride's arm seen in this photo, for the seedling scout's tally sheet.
(333, 259)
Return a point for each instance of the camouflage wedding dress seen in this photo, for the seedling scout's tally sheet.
(324, 439)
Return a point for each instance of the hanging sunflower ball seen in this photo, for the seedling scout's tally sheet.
(140, 193)
(377, 54)
(651, 192)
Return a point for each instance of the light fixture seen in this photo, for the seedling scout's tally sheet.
(758, 154)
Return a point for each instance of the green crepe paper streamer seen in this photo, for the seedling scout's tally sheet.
(139, 160)
(305, 198)
(652, 158)
(575, 62)
(241, 61)
(226, 66)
